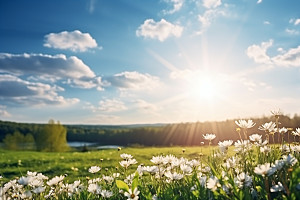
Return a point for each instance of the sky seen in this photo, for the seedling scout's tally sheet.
(148, 61)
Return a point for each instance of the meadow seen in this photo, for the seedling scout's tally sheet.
(252, 167)
(76, 164)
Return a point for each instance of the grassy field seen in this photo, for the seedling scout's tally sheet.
(17, 163)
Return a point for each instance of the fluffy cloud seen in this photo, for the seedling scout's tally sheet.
(145, 106)
(266, 22)
(74, 41)
(108, 105)
(297, 21)
(111, 105)
(211, 3)
(16, 91)
(259, 1)
(292, 31)
(58, 66)
(132, 80)
(206, 19)
(4, 113)
(289, 58)
(160, 30)
(258, 53)
(177, 4)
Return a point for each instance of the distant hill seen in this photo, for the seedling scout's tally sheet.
(185, 134)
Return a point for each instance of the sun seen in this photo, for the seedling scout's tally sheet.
(203, 87)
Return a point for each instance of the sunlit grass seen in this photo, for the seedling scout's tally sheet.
(52, 164)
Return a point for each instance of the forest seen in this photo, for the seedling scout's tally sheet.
(177, 134)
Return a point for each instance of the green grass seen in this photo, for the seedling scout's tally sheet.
(52, 164)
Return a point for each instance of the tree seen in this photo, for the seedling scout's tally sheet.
(52, 137)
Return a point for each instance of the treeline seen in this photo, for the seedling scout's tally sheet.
(185, 134)
(49, 137)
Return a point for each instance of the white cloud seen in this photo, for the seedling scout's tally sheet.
(266, 22)
(160, 30)
(4, 113)
(145, 106)
(280, 49)
(16, 91)
(211, 3)
(206, 19)
(259, 1)
(58, 66)
(177, 4)
(74, 41)
(258, 53)
(292, 31)
(290, 58)
(297, 21)
(133, 80)
(111, 105)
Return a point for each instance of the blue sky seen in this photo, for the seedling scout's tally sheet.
(148, 61)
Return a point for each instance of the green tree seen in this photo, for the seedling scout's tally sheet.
(52, 137)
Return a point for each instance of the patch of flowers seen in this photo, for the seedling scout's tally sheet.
(258, 170)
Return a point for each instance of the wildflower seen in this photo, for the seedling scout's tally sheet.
(38, 190)
(225, 143)
(31, 173)
(55, 180)
(255, 137)
(267, 127)
(187, 170)
(132, 195)
(296, 132)
(109, 180)
(115, 175)
(150, 169)
(106, 193)
(290, 159)
(213, 183)
(94, 169)
(209, 137)
(126, 156)
(265, 149)
(243, 180)
(244, 124)
(94, 188)
(260, 143)
(174, 176)
(230, 163)
(193, 188)
(157, 160)
(262, 169)
(242, 145)
(169, 159)
(26, 195)
(278, 164)
(25, 180)
(119, 148)
(227, 188)
(295, 148)
(283, 130)
(125, 163)
(285, 148)
(277, 188)
(276, 113)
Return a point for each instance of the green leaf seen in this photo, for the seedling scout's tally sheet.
(135, 181)
(123, 186)
(196, 193)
